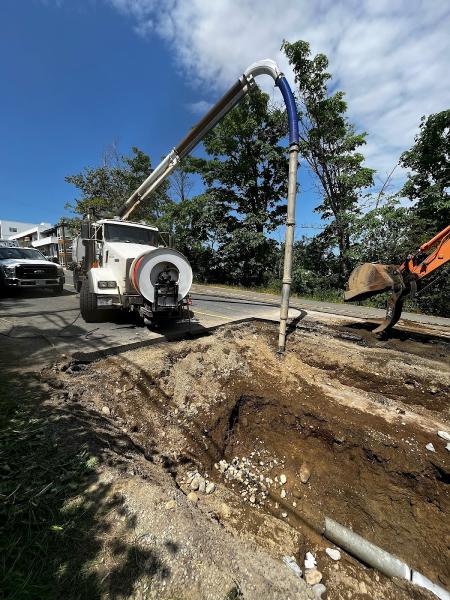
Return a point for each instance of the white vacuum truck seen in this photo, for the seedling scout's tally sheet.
(120, 264)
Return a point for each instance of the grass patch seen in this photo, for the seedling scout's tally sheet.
(37, 477)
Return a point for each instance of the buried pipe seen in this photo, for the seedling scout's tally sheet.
(378, 558)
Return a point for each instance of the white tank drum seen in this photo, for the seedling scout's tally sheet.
(159, 270)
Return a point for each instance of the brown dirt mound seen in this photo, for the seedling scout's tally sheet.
(344, 420)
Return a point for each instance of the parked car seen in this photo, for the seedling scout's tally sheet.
(28, 268)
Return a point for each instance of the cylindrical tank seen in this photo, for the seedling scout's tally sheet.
(160, 265)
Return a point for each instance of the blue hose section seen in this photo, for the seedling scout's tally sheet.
(291, 108)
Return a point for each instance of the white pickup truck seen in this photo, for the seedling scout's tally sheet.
(27, 268)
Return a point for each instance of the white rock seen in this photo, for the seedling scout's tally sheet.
(318, 590)
(284, 515)
(291, 563)
(333, 553)
(444, 435)
(195, 483)
(430, 447)
(210, 487)
(252, 499)
(283, 478)
(283, 493)
(447, 447)
(202, 485)
(106, 410)
(310, 561)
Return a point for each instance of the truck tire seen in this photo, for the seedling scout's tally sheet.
(59, 290)
(77, 282)
(88, 305)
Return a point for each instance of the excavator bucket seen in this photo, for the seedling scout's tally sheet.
(370, 279)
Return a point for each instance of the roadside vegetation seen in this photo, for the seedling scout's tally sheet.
(228, 232)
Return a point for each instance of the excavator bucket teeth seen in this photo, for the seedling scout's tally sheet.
(394, 308)
(368, 280)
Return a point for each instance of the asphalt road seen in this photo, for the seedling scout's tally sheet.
(38, 326)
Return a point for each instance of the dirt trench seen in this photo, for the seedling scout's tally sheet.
(337, 428)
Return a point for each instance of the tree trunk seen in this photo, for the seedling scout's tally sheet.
(343, 245)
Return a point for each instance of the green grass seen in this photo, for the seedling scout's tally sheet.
(37, 477)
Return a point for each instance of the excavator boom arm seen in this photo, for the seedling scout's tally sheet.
(422, 266)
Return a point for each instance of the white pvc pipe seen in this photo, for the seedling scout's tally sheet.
(376, 557)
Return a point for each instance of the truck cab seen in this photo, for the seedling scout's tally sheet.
(27, 268)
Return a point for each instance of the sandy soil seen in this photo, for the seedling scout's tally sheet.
(337, 427)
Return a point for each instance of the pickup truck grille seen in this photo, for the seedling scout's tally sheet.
(36, 272)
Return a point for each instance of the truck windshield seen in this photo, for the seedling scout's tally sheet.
(134, 235)
(28, 253)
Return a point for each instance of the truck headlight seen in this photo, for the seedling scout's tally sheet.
(9, 272)
(107, 284)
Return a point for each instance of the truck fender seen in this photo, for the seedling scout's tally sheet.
(101, 274)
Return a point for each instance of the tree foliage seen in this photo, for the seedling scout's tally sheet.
(104, 189)
(329, 143)
(428, 182)
(245, 175)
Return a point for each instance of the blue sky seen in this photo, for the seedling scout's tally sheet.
(79, 75)
(75, 79)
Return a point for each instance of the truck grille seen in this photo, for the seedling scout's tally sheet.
(36, 272)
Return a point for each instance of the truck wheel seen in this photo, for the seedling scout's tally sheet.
(77, 282)
(88, 305)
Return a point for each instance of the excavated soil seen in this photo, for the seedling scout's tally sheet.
(337, 427)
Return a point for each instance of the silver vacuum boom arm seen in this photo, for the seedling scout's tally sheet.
(244, 84)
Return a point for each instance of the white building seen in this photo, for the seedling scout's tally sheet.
(51, 240)
(9, 228)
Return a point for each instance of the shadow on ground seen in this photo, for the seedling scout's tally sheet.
(57, 517)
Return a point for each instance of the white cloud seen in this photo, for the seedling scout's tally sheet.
(391, 57)
(199, 108)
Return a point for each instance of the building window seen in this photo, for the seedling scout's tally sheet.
(13, 229)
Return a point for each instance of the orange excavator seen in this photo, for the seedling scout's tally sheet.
(370, 279)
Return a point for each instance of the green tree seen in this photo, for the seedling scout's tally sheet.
(429, 182)
(196, 225)
(104, 189)
(384, 233)
(246, 182)
(315, 270)
(329, 143)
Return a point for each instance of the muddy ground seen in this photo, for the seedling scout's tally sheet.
(337, 427)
